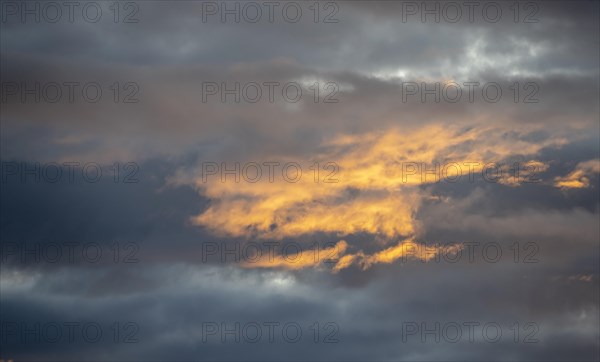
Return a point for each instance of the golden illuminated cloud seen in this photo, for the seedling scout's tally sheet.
(301, 259)
(407, 249)
(377, 189)
(579, 178)
(336, 255)
(523, 172)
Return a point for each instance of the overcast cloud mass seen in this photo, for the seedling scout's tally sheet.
(300, 181)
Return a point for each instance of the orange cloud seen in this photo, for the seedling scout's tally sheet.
(301, 259)
(579, 178)
(405, 250)
(528, 172)
(375, 193)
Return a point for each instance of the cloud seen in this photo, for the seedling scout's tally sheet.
(403, 250)
(375, 191)
(374, 187)
(580, 177)
(394, 210)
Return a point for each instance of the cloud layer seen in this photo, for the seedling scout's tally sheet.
(449, 177)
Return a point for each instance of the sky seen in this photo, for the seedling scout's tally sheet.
(299, 181)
